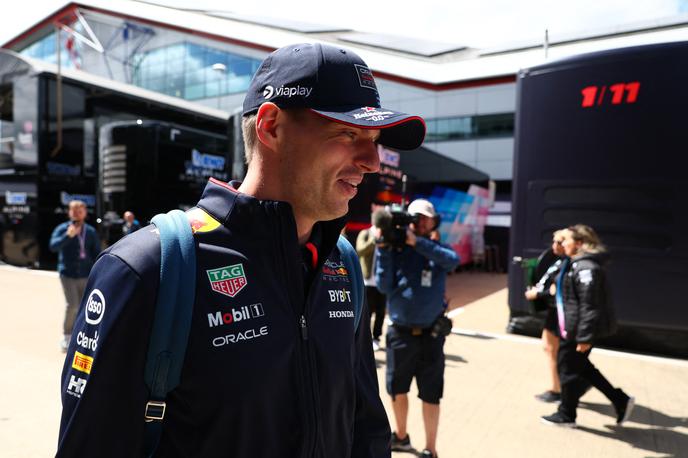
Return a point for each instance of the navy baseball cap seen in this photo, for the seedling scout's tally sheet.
(334, 83)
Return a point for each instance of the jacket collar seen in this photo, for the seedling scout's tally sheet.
(242, 213)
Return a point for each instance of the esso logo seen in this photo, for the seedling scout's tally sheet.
(95, 307)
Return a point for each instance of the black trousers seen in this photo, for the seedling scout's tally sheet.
(576, 374)
(376, 304)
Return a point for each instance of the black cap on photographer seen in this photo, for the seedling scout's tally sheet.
(334, 83)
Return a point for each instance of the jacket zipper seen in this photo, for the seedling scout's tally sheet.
(310, 411)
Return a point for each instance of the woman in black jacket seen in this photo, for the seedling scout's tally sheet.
(550, 333)
(584, 314)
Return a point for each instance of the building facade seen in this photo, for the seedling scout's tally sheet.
(466, 95)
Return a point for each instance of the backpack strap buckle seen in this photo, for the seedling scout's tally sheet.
(155, 411)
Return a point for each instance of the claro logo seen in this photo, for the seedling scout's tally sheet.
(95, 307)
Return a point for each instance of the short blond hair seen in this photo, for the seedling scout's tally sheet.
(559, 234)
(76, 203)
(248, 130)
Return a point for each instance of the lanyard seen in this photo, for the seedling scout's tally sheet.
(82, 242)
(560, 299)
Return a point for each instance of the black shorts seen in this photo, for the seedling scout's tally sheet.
(411, 356)
(551, 321)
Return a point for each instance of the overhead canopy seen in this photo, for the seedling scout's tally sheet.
(424, 165)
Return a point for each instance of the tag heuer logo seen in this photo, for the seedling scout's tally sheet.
(227, 280)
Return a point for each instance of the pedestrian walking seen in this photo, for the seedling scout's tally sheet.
(77, 246)
(365, 248)
(544, 290)
(130, 224)
(585, 315)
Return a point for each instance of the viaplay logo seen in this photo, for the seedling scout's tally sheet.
(288, 92)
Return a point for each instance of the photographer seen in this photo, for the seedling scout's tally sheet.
(413, 277)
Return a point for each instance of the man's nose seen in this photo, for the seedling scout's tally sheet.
(368, 159)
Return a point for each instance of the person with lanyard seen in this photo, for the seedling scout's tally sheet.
(584, 314)
(275, 365)
(544, 290)
(77, 245)
(414, 278)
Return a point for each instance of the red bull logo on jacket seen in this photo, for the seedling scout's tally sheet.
(200, 221)
(335, 271)
(228, 280)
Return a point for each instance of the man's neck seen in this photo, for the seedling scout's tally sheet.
(257, 185)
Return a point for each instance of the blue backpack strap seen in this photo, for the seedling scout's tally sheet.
(172, 322)
(350, 259)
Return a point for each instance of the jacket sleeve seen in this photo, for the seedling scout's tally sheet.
(587, 284)
(441, 255)
(371, 427)
(58, 238)
(385, 274)
(103, 390)
(365, 243)
(94, 246)
(542, 286)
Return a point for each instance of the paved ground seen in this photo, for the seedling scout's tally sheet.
(488, 409)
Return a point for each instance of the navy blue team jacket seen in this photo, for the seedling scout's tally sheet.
(272, 369)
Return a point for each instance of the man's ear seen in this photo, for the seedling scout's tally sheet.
(266, 124)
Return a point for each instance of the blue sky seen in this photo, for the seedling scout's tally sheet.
(475, 23)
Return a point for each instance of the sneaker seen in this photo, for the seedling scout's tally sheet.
(426, 453)
(64, 343)
(557, 420)
(401, 445)
(376, 344)
(548, 396)
(623, 413)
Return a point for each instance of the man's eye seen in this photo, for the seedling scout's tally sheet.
(350, 134)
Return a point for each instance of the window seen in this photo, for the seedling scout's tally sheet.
(470, 127)
(192, 71)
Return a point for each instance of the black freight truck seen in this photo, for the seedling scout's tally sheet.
(50, 151)
(602, 139)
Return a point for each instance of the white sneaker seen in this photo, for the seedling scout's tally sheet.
(376, 345)
(64, 343)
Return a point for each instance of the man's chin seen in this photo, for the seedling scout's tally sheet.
(334, 211)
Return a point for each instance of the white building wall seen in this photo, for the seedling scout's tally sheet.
(493, 156)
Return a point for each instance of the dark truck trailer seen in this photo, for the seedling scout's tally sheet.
(601, 140)
(46, 160)
(149, 167)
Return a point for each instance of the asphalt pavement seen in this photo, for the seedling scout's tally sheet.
(488, 409)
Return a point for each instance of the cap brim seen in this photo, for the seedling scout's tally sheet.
(397, 130)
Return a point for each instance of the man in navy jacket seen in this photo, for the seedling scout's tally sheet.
(77, 246)
(413, 278)
(273, 367)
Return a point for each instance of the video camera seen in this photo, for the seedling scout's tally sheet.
(393, 223)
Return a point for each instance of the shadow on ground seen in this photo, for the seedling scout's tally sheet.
(658, 440)
(641, 414)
